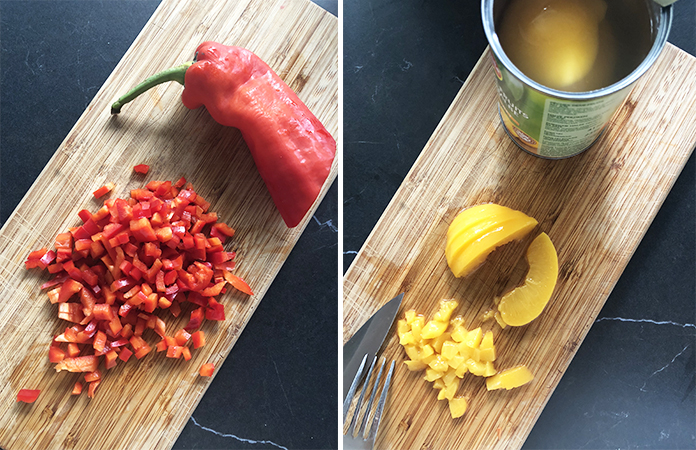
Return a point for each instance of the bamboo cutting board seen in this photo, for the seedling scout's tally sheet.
(596, 207)
(145, 404)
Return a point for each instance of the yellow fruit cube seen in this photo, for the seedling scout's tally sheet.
(402, 327)
(457, 407)
(410, 315)
(490, 369)
(449, 390)
(461, 370)
(428, 359)
(415, 366)
(438, 341)
(487, 354)
(473, 337)
(487, 348)
(475, 354)
(438, 384)
(439, 364)
(447, 307)
(476, 367)
(432, 375)
(456, 362)
(412, 352)
(509, 378)
(449, 350)
(417, 327)
(407, 339)
(487, 340)
(449, 377)
(464, 350)
(427, 351)
(458, 333)
(433, 329)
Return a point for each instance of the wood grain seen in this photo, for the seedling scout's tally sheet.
(145, 404)
(596, 208)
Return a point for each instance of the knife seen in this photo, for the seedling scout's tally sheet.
(368, 340)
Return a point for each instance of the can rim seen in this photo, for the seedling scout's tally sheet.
(660, 40)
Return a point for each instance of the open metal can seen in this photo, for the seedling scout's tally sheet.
(556, 124)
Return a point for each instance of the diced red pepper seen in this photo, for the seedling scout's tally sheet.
(182, 337)
(174, 351)
(77, 388)
(207, 370)
(215, 310)
(110, 359)
(125, 261)
(72, 312)
(73, 350)
(141, 168)
(238, 283)
(69, 288)
(198, 339)
(93, 376)
(125, 355)
(79, 364)
(108, 187)
(92, 389)
(196, 319)
(28, 395)
(55, 354)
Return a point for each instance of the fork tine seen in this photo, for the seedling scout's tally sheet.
(353, 387)
(362, 394)
(361, 432)
(380, 405)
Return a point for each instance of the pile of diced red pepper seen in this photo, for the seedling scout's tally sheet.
(125, 263)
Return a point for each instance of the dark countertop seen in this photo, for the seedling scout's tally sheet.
(631, 384)
(274, 389)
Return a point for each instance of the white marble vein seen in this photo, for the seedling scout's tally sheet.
(642, 388)
(655, 322)
(227, 435)
(328, 223)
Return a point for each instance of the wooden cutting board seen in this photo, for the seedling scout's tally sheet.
(145, 404)
(596, 207)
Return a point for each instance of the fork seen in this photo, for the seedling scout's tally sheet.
(351, 441)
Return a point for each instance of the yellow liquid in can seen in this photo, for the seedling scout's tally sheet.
(575, 45)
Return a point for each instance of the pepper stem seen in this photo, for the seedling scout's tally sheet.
(174, 74)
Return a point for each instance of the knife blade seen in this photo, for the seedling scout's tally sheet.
(368, 340)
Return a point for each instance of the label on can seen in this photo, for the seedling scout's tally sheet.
(549, 126)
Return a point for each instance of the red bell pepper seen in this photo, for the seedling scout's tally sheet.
(104, 190)
(292, 150)
(28, 395)
(207, 370)
(141, 168)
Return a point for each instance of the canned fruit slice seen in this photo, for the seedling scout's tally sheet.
(524, 303)
(509, 378)
(477, 231)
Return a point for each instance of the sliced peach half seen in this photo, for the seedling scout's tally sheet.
(524, 303)
(477, 231)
